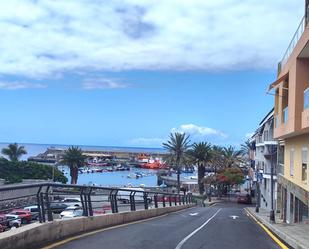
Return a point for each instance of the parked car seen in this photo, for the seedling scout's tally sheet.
(244, 199)
(71, 212)
(24, 215)
(34, 210)
(58, 207)
(10, 220)
(72, 201)
(124, 196)
(2, 228)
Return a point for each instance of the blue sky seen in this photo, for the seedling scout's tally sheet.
(128, 73)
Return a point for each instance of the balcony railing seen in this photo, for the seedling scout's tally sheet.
(300, 30)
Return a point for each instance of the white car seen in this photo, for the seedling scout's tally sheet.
(13, 220)
(73, 201)
(71, 212)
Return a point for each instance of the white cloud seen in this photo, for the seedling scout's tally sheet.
(91, 84)
(200, 132)
(44, 38)
(19, 85)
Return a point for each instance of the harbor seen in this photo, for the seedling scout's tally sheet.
(120, 168)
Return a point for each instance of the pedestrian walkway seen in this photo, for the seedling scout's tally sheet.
(296, 235)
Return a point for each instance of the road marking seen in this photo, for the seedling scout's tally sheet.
(283, 246)
(196, 230)
(193, 214)
(234, 217)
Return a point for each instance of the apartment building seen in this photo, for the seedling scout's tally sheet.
(265, 158)
(291, 120)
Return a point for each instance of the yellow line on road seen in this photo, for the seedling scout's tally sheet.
(283, 246)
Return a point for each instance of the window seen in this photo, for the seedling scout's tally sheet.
(304, 156)
(306, 98)
(292, 162)
(285, 114)
(266, 135)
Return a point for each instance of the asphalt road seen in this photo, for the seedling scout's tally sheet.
(225, 226)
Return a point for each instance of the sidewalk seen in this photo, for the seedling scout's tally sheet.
(295, 235)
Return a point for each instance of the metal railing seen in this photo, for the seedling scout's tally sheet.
(300, 30)
(51, 199)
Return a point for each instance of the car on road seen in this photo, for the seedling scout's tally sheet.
(244, 199)
(71, 212)
(34, 210)
(58, 207)
(10, 220)
(24, 215)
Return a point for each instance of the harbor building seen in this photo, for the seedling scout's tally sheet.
(291, 120)
(265, 158)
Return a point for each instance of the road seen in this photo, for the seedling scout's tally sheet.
(223, 226)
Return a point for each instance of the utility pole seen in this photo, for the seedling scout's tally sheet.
(272, 211)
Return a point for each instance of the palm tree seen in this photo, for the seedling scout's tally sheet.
(74, 159)
(217, 159)
(246, 147)
(201, 155)
(177, 146)
(14, 152)
(231, 156)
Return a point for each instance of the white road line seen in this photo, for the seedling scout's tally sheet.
(196, 230)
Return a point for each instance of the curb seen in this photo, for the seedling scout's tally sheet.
(290, 241)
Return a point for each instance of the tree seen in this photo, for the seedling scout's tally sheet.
(74, 159)
(14, 152)
(16, 171)
(200, 155)
(231, 156)
(217, 158)
(177, 147)
(231, 176)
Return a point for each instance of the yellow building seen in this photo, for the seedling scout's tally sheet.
(292, 125)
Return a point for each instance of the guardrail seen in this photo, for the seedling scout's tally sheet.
(51, 199)
(300, 30)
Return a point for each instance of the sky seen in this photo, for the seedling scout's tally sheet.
(129, 72)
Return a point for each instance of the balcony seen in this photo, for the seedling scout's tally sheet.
(300, 30)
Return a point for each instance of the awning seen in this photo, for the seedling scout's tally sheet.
(278, 81)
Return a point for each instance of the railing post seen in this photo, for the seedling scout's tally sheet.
(179, 199)
(163, 200)
(113, 200)
(155, 198)
(146, 200)
(175, 196)
(42, 207)
(170, 200)
(82, 201)
(132, 201)
(183, 199)
(39, 204)
(49, 212)
(89, 202)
